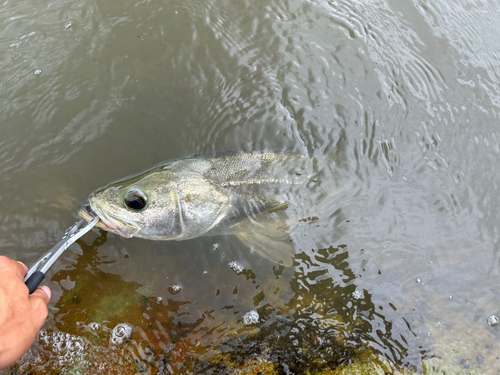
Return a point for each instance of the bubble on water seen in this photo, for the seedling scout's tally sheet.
(38, 71)
(174, 289)
(67, 25)
(251, 318)
(120, 333)
(493, 320)
(237, 268)
(68, 349)
(357, 294)
(94, 326)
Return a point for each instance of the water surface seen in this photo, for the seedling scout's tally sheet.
(406, 94)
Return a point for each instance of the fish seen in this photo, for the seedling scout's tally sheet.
(256, 195)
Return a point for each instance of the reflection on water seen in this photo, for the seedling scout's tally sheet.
(406, 93)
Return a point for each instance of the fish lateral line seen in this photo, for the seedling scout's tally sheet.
(258, 182)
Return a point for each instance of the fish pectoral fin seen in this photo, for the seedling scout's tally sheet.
(275, 248)
(252, 209)
(278, 207)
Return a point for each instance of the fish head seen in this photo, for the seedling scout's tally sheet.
(159, 205)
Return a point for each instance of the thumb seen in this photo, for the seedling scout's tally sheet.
(42, 293)
(39, 301)
(47, 292)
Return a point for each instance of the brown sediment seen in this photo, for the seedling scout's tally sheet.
(172, 336)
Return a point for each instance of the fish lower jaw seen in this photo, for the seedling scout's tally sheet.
(102, 225)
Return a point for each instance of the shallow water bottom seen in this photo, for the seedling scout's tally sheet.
(275, 320)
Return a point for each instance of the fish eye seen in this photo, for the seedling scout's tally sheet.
(135, 200)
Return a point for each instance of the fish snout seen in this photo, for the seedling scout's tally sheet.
(87, 212)
(109, 224)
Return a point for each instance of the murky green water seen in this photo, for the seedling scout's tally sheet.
(402, 277)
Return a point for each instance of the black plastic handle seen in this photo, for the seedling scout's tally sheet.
(34, 280)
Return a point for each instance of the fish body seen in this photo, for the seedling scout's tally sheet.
(250, 194)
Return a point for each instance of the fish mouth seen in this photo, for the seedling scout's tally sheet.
(88, 214)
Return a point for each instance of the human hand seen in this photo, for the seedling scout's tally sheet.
(21, 314)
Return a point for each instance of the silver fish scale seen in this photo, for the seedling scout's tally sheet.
(256, 168)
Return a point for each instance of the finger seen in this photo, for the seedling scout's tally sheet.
(47, 291)
(39, 301)
(43, 293)
(25, 267)
(9, 265)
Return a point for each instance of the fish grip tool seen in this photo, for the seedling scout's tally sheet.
(37, 271)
